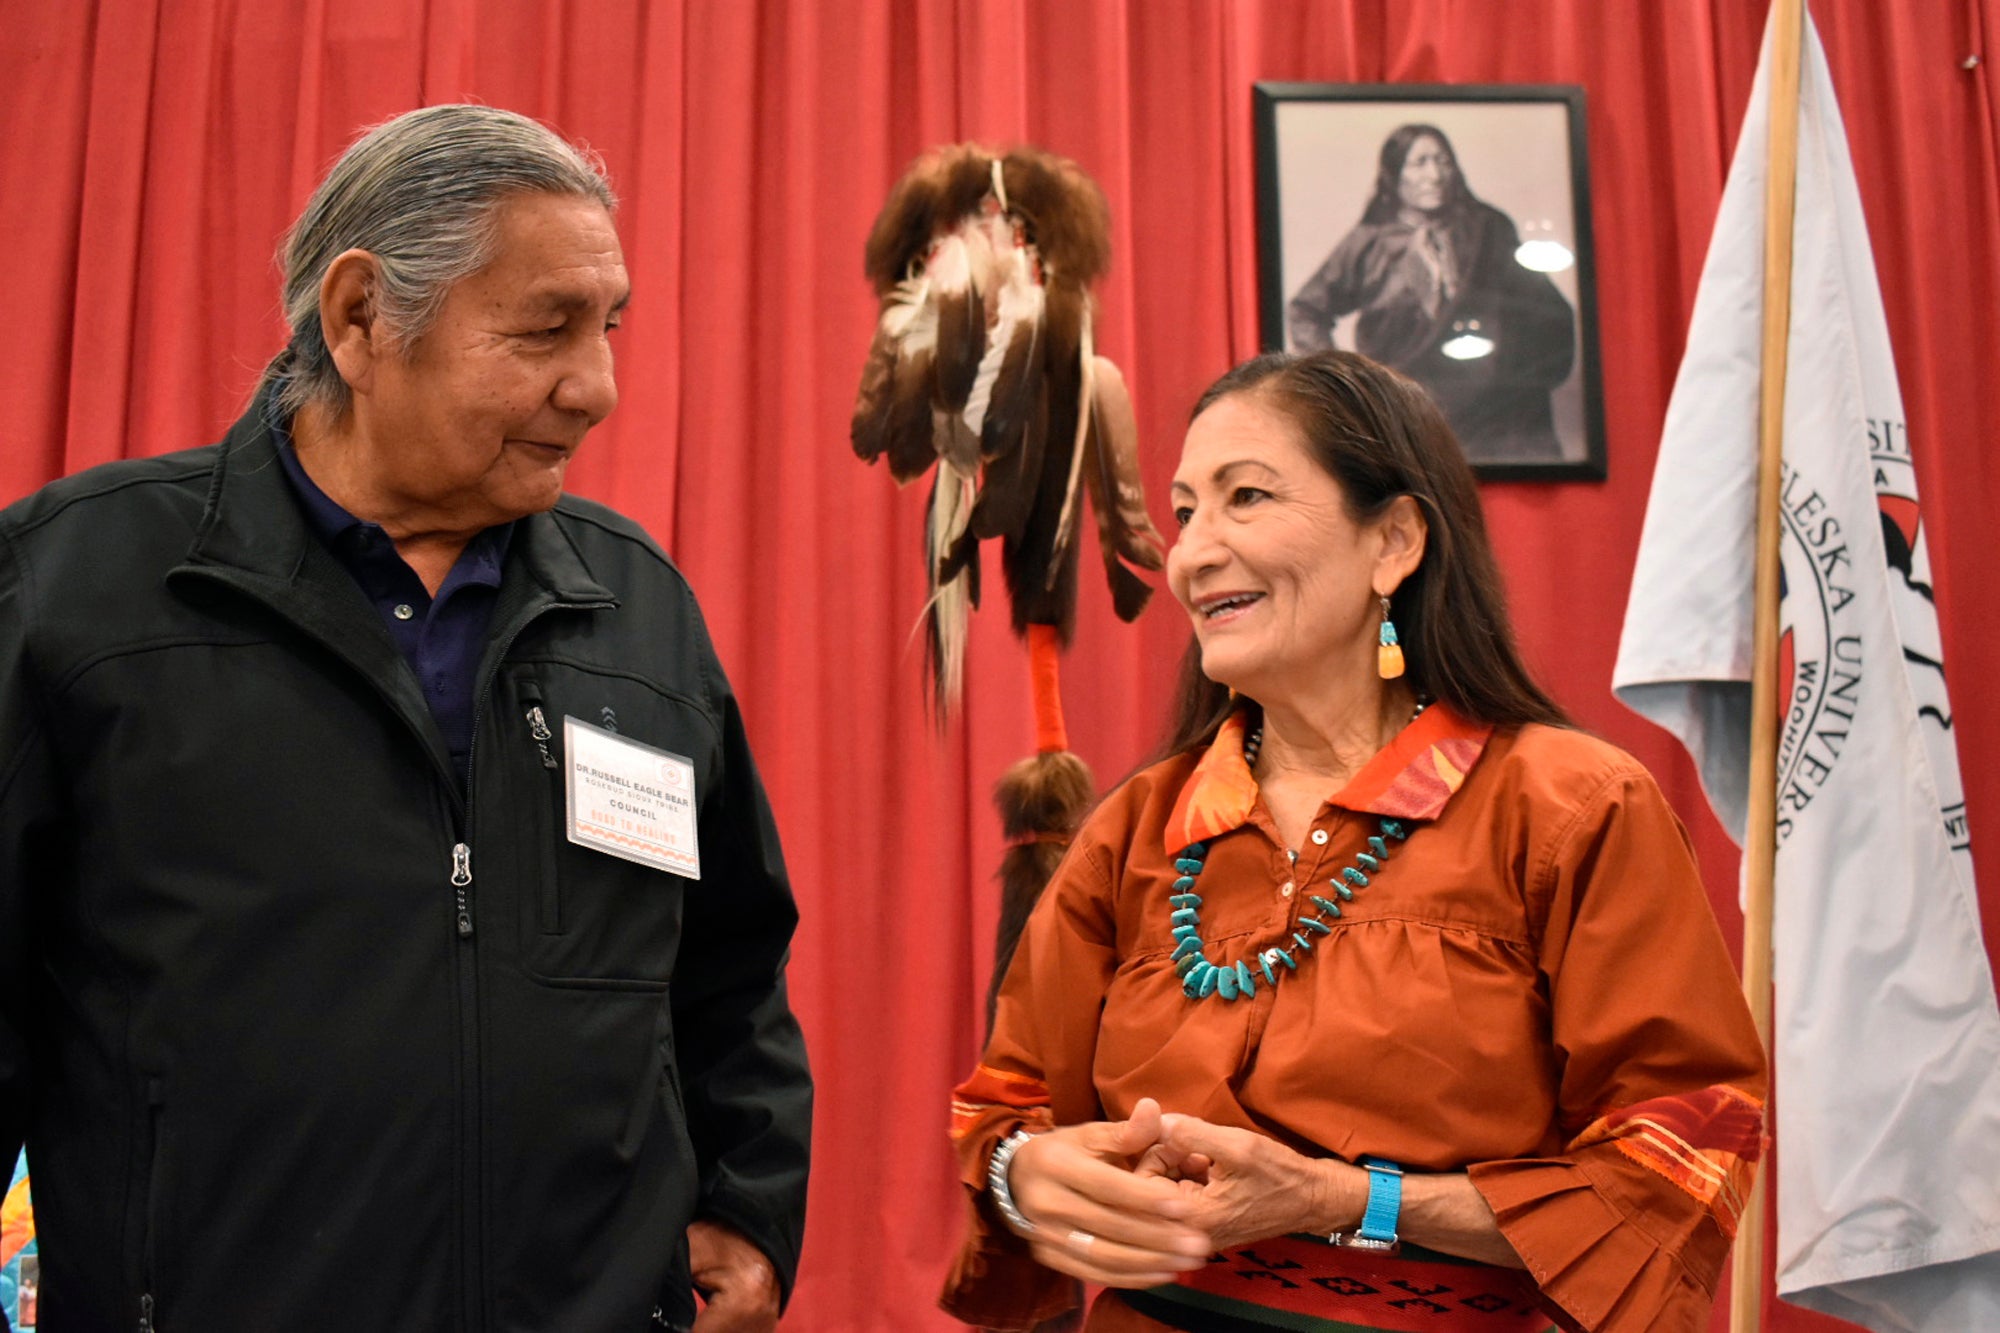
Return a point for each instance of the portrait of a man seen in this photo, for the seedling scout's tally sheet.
(1384, 247)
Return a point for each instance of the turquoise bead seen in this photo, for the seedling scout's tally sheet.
(1187, 965)
(1187, 916)
(1184, 883)
(1245, 985)
(1187, 948)
(1353, 876)
(1187, 865)
(1304, 943)
(1367, 862)
(1196, 849)
(1315, 923)
(1286, 959)
(1189, 989)
(1379, 847)
(1225, 982)
(1394, 830)
(1187, 932)
(1186, 900)
(1326, 905)
(1206, 980)
(1264, 962)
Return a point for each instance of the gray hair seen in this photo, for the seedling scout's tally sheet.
(421, 193)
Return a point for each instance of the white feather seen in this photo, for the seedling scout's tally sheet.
(1086, 395)
(950, 606)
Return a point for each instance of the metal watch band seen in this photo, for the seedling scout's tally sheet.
(998, 1185)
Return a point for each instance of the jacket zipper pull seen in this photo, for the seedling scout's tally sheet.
(146, 1313)
(461, 877)
(538, 727)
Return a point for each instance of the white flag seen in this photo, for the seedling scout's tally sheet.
(1886, 1031)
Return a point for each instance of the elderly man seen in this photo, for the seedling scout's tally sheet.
(392, 925)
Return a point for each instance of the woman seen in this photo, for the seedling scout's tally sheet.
(1382, 951)
(1429, 264)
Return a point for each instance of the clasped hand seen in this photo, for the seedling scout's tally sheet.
(1135, 1202)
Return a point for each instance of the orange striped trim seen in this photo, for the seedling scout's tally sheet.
(989, 1089)
(1706, 1142)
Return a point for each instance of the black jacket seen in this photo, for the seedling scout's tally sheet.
(273, 1067)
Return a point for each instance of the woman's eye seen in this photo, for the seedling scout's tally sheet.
(1244, 495)
(1182, 513)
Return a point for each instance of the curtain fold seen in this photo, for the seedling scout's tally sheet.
(156, 152)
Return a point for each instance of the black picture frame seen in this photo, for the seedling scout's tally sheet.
(1445, 272)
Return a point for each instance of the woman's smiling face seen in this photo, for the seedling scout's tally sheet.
(1273, 570)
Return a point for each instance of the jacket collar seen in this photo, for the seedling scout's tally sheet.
(1412, 777)
(254, 540)
(253, 524)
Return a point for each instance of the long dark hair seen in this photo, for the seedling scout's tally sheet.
(1387, 201)
(1380, 436)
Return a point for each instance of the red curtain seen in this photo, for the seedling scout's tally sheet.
(156, 151)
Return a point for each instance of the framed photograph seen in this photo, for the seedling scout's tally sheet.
(1444, 231)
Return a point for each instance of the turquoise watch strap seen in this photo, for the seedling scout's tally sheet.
(1385, 1201)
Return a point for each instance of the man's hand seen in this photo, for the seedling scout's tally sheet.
(738, 1286)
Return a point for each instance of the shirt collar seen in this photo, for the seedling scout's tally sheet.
(1412, 777)
(481, 562)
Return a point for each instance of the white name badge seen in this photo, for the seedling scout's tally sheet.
(630, 800)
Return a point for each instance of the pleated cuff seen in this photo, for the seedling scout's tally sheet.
(1602, 1264)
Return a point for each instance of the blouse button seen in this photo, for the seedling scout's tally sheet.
(1319, 837)
(1286, 892)
(404, 611)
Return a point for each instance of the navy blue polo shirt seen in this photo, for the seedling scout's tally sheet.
(441, 637)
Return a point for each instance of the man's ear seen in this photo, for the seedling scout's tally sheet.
(1405, 533)
(348, 317)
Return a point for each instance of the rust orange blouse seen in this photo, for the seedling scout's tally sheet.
(1532, 989)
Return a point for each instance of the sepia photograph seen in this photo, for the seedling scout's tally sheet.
(1443, 231)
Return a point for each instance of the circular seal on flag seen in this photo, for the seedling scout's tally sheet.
(1819, 652)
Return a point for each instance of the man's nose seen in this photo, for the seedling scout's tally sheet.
(590, 384)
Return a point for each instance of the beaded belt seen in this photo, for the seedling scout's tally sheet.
(1303, 1285)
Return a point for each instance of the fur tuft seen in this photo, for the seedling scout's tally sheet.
(1042, 801)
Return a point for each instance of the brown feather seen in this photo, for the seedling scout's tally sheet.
(1116, 491)
(910, 444)
(870, 428)
(961, 323)
(1124, 532)
(954, 441)
(1009, 481)
(1015, 390)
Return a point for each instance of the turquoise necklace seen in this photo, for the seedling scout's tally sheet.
(1201, 978)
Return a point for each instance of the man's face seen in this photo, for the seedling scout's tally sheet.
(1427, 174)
(476, 420)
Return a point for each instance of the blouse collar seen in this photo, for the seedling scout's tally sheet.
(1412, 777)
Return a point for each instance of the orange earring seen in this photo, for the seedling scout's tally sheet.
(1389, 656)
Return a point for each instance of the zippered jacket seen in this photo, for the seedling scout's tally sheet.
(299, 1035)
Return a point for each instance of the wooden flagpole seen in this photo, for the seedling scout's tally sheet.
(1760, 844)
